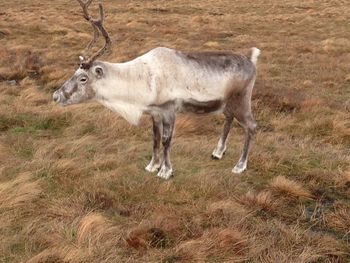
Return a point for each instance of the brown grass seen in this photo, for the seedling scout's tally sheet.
(228, 245)
(72, 181)
(262, 200)
(17, 192)
(340, 218)
(344, 179)
(283, 186)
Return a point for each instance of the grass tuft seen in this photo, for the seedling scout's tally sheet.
(283, 186)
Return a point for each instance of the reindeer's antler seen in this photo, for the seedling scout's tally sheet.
(97, 25)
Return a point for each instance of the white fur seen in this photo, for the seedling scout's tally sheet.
(255, 54)
(130, 112)
(155, 78)
(153, 166)
(219, 150)
(240, 167)
(165, 172)
(124, 90)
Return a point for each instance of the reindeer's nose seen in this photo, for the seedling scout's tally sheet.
(56, 97)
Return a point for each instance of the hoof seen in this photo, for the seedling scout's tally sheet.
(165, 172)
(239, 168)
(151, 167)
(216, 155)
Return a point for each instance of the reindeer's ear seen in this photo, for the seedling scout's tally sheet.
(99, 71)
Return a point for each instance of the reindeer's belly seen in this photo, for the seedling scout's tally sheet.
(201, 107)
(187, 106)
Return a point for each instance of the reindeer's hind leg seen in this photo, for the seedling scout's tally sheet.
(221, 147)
(249, 125)
(241, 109)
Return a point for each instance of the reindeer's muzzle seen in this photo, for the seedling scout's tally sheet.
(59, 97)
(56, 96)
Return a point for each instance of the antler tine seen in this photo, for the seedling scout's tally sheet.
(102, 13)
(85, 6)
(93, 41)
(97, 25)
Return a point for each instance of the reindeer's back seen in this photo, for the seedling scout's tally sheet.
(202, 76)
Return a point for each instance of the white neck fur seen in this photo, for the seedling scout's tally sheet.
(123, 89)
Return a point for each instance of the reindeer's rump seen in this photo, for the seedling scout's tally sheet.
(201, 80)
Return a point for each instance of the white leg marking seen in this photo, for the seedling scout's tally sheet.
(240, 167)
(153, 166)
(219, 150)
(165, 172)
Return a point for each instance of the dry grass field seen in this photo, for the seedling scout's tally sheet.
(72, 181)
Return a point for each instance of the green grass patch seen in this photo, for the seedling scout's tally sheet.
(17, 248)
(89, 128)
(25, 152)
(32, 123)
(10, 172)
(45, 173)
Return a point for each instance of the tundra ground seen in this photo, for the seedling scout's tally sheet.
(73, 186)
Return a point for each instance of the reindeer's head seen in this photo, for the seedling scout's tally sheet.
(80, 87)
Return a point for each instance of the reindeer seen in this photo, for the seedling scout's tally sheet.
(164, 82)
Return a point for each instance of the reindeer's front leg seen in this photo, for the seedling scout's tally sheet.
(156, 161)
(166, 170)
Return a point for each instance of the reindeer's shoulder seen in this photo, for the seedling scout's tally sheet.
(160, 53)
(162, 50)
(161, 58)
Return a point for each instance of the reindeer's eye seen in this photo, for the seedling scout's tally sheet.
(83, 80)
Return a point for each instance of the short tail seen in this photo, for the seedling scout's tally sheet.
(255, 52)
